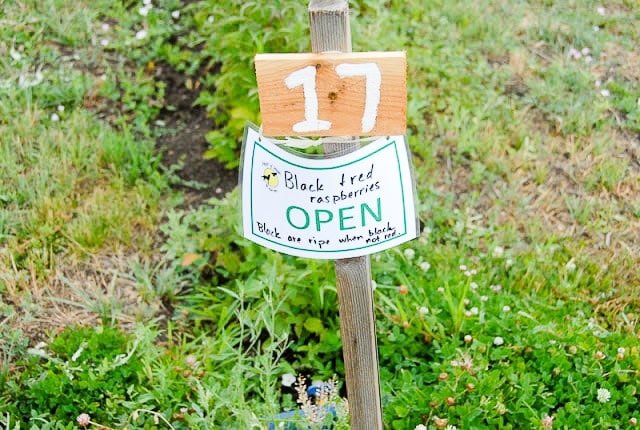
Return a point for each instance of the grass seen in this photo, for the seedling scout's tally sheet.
(517, 307)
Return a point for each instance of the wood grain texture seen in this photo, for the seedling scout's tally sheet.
(330, 31)
(340, 100)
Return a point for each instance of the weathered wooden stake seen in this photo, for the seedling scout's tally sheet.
(330, 31)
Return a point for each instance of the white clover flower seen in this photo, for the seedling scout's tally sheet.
(498, 341)
(600, 355)
(473, 286)
(288, 379)
(146, 2)
(423, 310)
(605, 92)
(484, 298)
(141, 34)
(547, 421)
(440, 290)
(473, 272)
(425, 266)
(601, 10)
(55, 117)
(596, 28)
(506, 308)
(622, 350)
(498, 251)
(474, 310)
(83, 419)
(570, 266)
(603, 395)
(588, 59)
(60, 108)
(451, 427)
(210, 19)
(426, 231)
(598, 83)
(585, 51)
(104, 42)
(463, 268)
(420, 427)
(409, 253)
(466, 302)
(175, 14)
(105, 26)
(496, 288)
(467, 273)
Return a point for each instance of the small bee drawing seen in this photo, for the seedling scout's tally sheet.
(270, 177)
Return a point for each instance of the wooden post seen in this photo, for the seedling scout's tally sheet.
(330, 31)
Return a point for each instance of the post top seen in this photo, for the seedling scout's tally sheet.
(328, 5)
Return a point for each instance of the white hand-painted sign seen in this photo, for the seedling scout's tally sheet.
(343, 207)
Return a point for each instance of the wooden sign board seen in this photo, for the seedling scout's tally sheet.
(333, 94)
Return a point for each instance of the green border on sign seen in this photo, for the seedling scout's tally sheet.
(395, 148)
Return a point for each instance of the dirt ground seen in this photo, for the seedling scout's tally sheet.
(184, 141)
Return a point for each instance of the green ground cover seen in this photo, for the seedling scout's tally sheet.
(517, 307)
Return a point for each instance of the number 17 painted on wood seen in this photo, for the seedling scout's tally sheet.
(332, 94)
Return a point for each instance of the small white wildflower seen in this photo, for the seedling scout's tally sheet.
(144, 11)
(600, 355)
(466, 302)
(141, 34)
(484, 298)
(468, 338)
(463, 268)
(508, 263)
(585, 51)
(426, 231)
(451, 427)
(15, 55)
(409, 253)
(588, 59)
(468, 314)
(570, 266)
(423, 310)
(598, 83)
(288, 379)
(473, 272)
(622, 350)
(496, 288)
(473, 286)
(210, 19)
(83, 419)
(175, 14)
(218, 190)
(506, 308)
(455, 363)
(191, 361)
(41, 345)
(146, 2)
(105, 26)
(604, 395)
(60, 108)
(468, 273)
(596, 28)
(104, 42)
(547, 421)
(440, 289)
(55, 117)
(498, 251)
(474, 311)
(498, 341)
(420, 427)
(425, 266)
(601, 10)
(605, 92)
